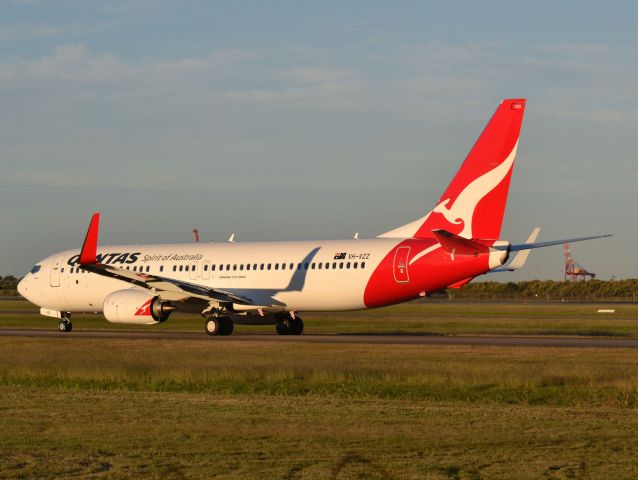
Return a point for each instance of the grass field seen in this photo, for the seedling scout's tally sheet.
(118, 408)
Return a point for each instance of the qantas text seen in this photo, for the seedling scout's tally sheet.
(110, 258)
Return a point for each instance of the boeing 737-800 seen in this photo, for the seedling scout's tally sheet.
(271, 282)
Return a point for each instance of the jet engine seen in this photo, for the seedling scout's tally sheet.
(136, 307)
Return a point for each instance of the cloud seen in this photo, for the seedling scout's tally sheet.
(75, 104)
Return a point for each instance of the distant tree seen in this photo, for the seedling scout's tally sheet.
(552, 290)
(8, 283)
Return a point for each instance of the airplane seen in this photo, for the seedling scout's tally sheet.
(272, 282)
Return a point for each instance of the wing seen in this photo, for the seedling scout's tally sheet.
(156, 283)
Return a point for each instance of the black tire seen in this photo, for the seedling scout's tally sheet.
(227, 326)
(212, 326)
(65, 326)
(296, 326)
(283, 328)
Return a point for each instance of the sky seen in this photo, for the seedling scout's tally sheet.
(287, 120)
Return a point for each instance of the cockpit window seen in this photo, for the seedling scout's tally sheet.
(36, 269)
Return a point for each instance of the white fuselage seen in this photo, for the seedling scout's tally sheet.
(292, 276)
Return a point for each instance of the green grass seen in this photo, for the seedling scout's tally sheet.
(561, 377)
(415, 318)
(117, 408)
(230, 410)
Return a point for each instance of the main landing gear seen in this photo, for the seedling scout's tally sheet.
(65, 325)
(219, 325)
(289, 325)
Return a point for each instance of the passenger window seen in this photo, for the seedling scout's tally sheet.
(363, 264)
(269, 266)
(254, 266)
(341, 265)
(248, 266)
(334, 265)
(161, 268)
(327, 266)
(283, 266)
(319, 265)
(194, 267)
(228, 267)
(261, 267)
(241, 267)
(292, 266)
(348, 265)
(276, 266)
(205, 268)
(174, 268)
(235, 267)
(181, 268)
(186, 268)
(356, 264)
(312, 265)
(212, 268)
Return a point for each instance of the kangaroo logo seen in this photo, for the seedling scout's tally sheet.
(462, 209)
(144, 310)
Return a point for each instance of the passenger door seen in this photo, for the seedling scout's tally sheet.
(56, 267)
(401, 265)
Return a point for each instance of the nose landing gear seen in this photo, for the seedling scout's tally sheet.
(65, 325)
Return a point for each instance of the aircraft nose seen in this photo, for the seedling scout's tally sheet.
(22, 287)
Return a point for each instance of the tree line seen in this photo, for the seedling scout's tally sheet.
(9, 282)
(550, 290)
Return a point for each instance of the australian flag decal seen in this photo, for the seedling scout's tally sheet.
(340, 256)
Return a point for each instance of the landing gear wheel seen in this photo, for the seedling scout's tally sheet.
(290, 326)
(212, 325)
(226, 326)
(295, 326)
(219, 326)
(65, 326)
(283, 328)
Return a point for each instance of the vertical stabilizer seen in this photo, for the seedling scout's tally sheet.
(473, 204)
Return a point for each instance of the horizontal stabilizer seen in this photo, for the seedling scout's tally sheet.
(462, 283)
(459, 245)
(528, 246)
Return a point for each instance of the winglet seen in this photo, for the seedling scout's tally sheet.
(88, 254)
(521, 256)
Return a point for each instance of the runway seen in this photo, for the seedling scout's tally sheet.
(459, 340)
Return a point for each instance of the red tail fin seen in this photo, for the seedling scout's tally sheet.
(474, 203)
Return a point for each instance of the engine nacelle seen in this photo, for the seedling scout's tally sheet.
(136, 307)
